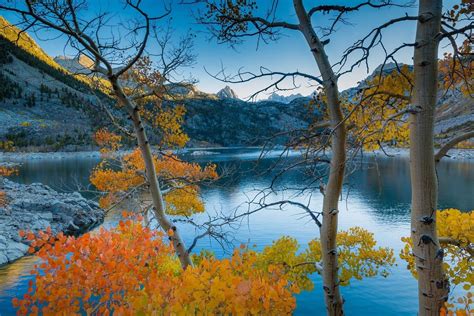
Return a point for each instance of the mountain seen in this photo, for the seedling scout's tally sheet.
(46, 105)
(78, 65)
(188, 91)
(284, 99)
(227, 93)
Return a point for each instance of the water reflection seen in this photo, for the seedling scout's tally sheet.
(378, 199)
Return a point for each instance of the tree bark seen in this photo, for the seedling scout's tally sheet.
(155, 191)
(433, 287)
(328, 231)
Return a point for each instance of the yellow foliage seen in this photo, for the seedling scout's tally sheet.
(169, 122)
(283, 252)
(374, 110)
(3, 199)
(184, 201)
(170, 167)
(110, 180)
(132, 270)
(456, 234)
(457, 225)
(7, 171)
(358, 256)
(7, 145)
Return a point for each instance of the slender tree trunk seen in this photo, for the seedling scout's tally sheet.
(155, 191)
(433, 287)
(328, 231)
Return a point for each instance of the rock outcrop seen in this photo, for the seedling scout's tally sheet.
(227, 93)
(36, 207)
(78, 65)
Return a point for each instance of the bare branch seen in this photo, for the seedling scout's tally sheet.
(450, 144)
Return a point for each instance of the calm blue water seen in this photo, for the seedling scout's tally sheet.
(378, 196)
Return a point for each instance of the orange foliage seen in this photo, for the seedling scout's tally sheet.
(108, 141)
(180, 176)
(171, 167)
(130, 270)
(7, 171)
(458, 72)
(3, 199)
(462, 306)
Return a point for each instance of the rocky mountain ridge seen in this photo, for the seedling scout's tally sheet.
(83, 65)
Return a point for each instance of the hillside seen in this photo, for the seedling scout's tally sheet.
(233, 122)
(25, 42)
(45, 104)
(49, 104)
(41, 103)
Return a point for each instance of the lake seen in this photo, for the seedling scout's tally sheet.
(378, 198)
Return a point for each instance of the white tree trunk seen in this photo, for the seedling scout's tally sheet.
(328, 231)
(155, 191)
(433, 287)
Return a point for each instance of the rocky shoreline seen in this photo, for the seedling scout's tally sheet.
(453, 154)
(36, 207)
(21, 156)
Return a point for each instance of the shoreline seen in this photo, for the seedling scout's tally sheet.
(453, 154)
(23, 155)
(388, 152)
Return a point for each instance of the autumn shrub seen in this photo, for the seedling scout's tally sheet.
(178, 177)
(107, 140)
(133, 270)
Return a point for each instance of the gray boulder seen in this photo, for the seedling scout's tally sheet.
(36, 207)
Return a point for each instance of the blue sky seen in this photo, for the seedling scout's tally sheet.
(289, 53)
